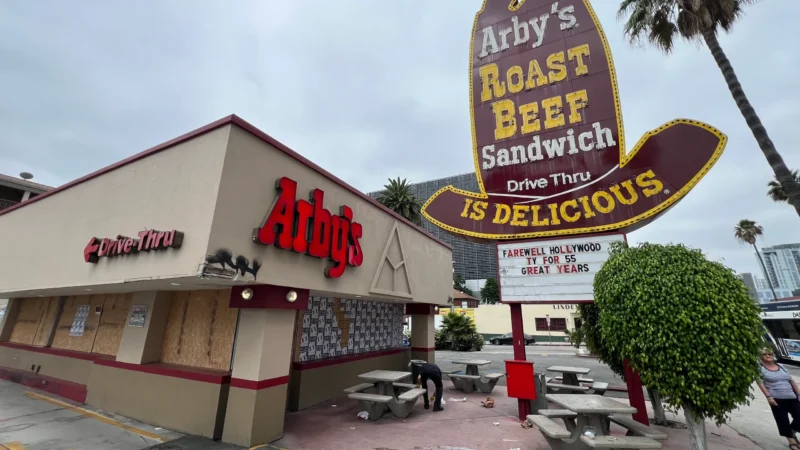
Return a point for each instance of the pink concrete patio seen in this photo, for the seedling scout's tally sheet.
(462, 425)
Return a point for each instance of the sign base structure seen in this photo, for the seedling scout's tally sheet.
(547, 271)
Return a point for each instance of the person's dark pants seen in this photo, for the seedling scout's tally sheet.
(437, 382)
(781, 413)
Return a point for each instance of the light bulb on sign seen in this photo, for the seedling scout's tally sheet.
(247, 294)
(291, 296)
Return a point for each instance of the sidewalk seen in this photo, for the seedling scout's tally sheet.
(465, 425)
(755, 422)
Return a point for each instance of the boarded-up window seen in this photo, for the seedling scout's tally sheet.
(556, 324)
(112, 323)
(102, 331)
(34, 321)
(200, 330)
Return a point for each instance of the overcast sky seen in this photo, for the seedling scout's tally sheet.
(368, 90)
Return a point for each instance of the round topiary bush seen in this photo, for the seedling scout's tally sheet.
(686, 324)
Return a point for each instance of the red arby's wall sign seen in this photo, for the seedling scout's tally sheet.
(548, 142)
(122, 245)
(307, 227)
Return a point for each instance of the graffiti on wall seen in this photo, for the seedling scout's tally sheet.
(334, 327)
(240, 264)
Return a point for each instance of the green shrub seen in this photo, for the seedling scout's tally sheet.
(458, 333)
(686, 324)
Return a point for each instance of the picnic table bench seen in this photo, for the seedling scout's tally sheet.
(570, 374)
(472, 379)
(392, 395)
(581, 411)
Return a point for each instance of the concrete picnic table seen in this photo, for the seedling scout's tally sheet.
(472, 365)
(385, 380)
(592, 411)
(570, 376)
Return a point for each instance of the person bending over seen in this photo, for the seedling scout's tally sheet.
(421, 373)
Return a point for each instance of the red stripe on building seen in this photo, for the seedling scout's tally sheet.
(258, 385)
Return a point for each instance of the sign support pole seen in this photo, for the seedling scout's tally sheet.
(518, 334)
(635, 394)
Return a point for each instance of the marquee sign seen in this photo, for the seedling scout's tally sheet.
(548, 141)
(305, 226)
(554, 270)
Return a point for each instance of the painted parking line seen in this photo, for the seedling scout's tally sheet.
(93, 415)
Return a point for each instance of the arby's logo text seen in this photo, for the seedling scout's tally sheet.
(305, 226)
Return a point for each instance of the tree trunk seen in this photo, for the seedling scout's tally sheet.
(659, 417)
(764, 268)
(697, 429)
(782, 173)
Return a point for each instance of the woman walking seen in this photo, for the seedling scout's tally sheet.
(782, 394)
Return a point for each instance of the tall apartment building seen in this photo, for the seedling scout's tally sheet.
(15, 190)
(471, 260)
(782, 263)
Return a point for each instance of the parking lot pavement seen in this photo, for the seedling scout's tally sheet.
(33, 420)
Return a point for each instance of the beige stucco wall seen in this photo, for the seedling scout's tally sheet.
(69, 369)
(255, 417)
(173, 189)
(312, 386)
(182, 405)
(246, 196)
(496, 319)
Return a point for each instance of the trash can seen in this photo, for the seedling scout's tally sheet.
(540, 385)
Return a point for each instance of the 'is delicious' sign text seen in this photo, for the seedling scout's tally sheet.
(305, 226)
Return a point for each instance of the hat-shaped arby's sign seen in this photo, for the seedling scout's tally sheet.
(548, 142)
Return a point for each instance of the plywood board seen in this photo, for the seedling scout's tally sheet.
(29, 318)
(112, 323)
(200, 330)
(62, 339)
(46, 324)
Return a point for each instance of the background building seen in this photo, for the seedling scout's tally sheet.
(473, 261)
(783, 266)
(15, 190)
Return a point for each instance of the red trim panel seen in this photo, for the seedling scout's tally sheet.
(420, 308)
(67, 389)
(423, 349)
(241, 383)
(58, 352)
(241, 123)
(168, 370)
(305, 365)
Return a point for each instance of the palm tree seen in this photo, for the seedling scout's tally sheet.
(660, 21)
(746, 232)
(399, 198)
(776, 192)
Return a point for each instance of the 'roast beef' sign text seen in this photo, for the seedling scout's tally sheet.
(148, 240)
(307, 227)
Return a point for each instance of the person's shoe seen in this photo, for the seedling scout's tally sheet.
(439, 408)
(427, 406)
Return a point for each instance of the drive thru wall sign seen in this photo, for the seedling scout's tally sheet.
(548, 142)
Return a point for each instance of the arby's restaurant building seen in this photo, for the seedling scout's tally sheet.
(210, 284)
